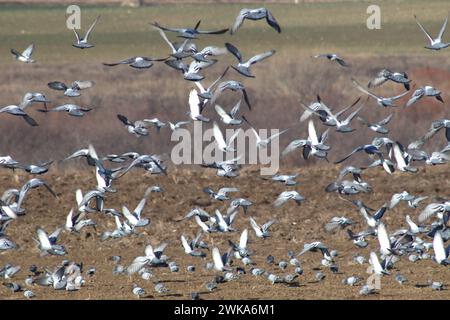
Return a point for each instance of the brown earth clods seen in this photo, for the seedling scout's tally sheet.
(295, 226)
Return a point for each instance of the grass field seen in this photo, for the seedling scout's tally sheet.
(289, 76)
(309, 27)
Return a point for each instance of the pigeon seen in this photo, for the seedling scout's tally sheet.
(25, 56)
(255, 14)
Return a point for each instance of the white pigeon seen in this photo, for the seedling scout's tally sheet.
(203, 225)
(224, 224)
(285, 196)
(220, 261)
(178, 125)
(223, 146)
(377, 268)
(263, 143)
(241, 250)
(194, 107)
(25, 56)
(440, 254)
(229, 118)
(261, 231)
(383, 239)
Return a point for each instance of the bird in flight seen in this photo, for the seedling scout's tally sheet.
(435, 43)
(25, 56)
(255, 14)
(82, 43)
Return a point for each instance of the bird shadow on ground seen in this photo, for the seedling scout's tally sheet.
(314, 282)
(295, 285)
(173, 295)
(204, 292)
(174, 281)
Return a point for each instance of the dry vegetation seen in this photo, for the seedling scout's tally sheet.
(285, 79)
(296, 225)
(288, 77)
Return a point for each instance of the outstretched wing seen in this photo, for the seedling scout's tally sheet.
(247, 101)
(30, 120)
(375, 263)
(163, 35)
(423, 29)
(377, 81)
(272, 22)
(438, 247)
(361, 88)
(386, 120)
(383, 239)
(353, 114)
(54, 236)
(186, 246)
(243, 239)
(254, 225)
(282, 199)
(80, 85)
(156, 24)
(312, 133)
(234, 136)
(444, 26)
(16, 53)
(28, 51)
(239, 20)
(293, 145)
(277, 134)
(220, 111)
(235, 109)
(267, 225)
(342, 62)
(261, 56)
(219, 78)
(218, 263)
(224, 191)
(349, 155)
(194, 103)
(400, 95)
(76, 35)
(219, 136)
(221, 31)
(429, 211)
(57, 85)
(126, 61)
(43, 239)
(364, 121)
(91, 28)
(129, 216)
(124, 120)
(234, 51)
(398, 154)
(140, 207)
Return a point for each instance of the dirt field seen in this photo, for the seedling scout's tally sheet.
(183, 191)
(281, 82)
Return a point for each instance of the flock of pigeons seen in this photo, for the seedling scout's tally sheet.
(415, 241)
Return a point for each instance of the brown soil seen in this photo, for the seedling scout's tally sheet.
(183, 191)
